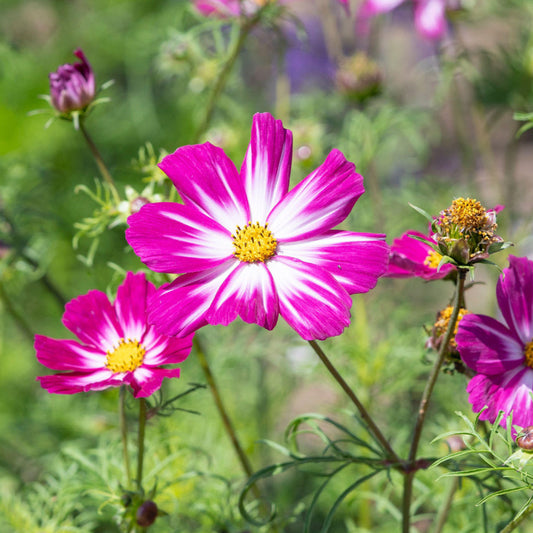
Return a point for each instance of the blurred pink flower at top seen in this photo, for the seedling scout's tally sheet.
(430, 15)
(230, 8)
(410, 257)
(72, 86)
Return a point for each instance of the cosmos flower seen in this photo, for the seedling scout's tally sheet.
(410, 257)
(117, 346)
(230, 8)
(501, 354)
(430, 15)
(248, 247)
(72, 86)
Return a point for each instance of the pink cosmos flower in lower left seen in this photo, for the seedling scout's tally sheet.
(247, 246)
(502, 353)
(117, 346)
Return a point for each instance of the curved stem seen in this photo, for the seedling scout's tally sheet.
(124, 433)
(228, 425)
(246, 27)
(363, 412)
(99, 162)
(140, 442)
(424, 401)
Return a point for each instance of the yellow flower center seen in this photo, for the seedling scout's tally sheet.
(126, 357)
(254, 243)
(467, 213)
(433, 259)
(528, 352)
(443, 319)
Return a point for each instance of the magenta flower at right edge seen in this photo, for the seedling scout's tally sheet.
(247, 246)
(502, 353)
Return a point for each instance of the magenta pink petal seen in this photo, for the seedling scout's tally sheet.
(93, 320)
(145, 380)
(247, 292)
(73, 382)
(312, 302)
(267, 165)
(487, 346)
(206, 178)
(165, 350)
(430, 18)
(171, 237)
(60, 354)
(355, 260)
(319, 202)
(178, 309)
(515, 297)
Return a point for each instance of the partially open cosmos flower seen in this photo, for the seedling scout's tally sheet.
(430, 15)
(501, 354)
(117, 346)
(72, 86)
(248, 247)
(410, 257)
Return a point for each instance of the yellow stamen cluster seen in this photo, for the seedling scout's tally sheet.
(467, 214)
(254, 243)
(443, 319)
(433, 259)
(528, 352)
(126, 357)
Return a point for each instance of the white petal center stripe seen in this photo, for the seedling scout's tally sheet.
(126, 357)
(254, 243)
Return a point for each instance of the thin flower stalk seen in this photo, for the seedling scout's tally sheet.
(220, 83)
(515, 522)
(140, 442)
(100, 162)
(424, 402)
(124, 433)
(360, 407)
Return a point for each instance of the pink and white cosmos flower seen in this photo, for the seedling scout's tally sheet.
(502, 353)
(117, 346)
(430, 15)
(248, 247)
(410, 257)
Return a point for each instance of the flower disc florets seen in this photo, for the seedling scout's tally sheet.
(465, 231)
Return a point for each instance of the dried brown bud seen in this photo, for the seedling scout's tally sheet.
(146, 513)
(525, 439)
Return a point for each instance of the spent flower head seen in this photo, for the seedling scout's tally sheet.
(465, 232)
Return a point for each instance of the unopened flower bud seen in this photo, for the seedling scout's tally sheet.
(146, 513)
(359, 77)
(137, 203)
(72, 86)
(525, 439)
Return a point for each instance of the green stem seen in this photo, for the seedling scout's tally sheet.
(246, 27)
(515, 522)
(424, 401)
(100, 162)
(15, 314)
(124, 433)
(363, 412)
(228, 426)
(140, 442)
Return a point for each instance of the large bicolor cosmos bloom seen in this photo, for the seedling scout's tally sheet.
(117, 346)
(248, 247)
(430, 15)
(502, 353)
(410, 257)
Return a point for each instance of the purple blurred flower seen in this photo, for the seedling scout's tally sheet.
(72, 86)
(410, 257)
(430, 15)
(119, 347)
(502, 353)
(247, 246)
